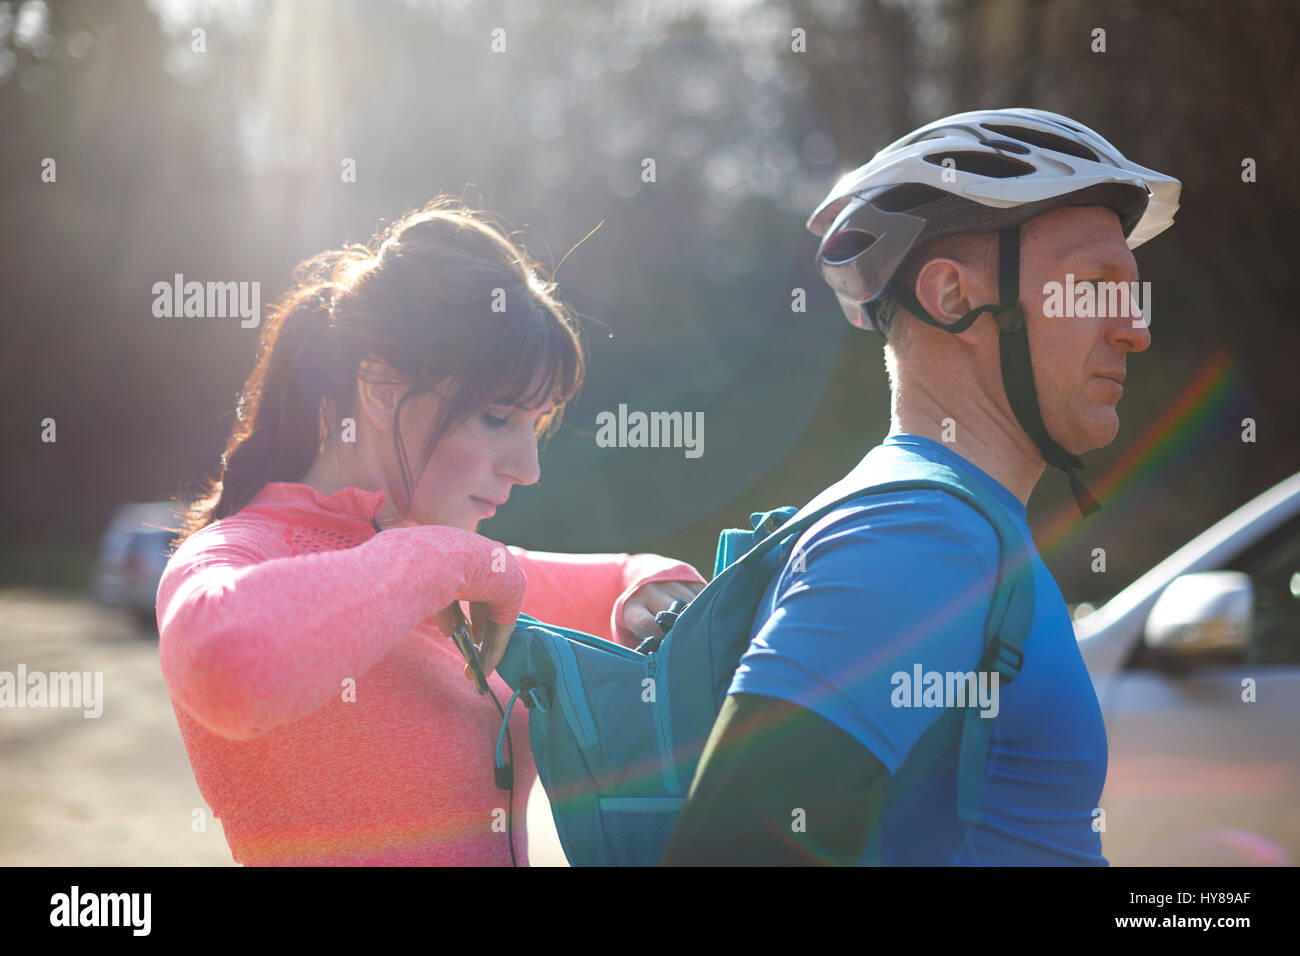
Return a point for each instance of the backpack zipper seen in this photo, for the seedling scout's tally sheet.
(573, 702)
(663, 722)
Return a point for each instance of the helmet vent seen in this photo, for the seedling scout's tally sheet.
(1018, 148)
(983, 164)
(846, 244)
(907, 196)
(1043, 140)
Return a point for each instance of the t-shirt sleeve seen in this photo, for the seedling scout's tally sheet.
(875, 590)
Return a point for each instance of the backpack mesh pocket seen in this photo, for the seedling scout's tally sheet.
(637, 828)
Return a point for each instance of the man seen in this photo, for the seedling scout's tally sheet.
(976, 213)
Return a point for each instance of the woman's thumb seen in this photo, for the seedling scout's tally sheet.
(493, 636)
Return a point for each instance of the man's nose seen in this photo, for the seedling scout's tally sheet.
(1132, 331)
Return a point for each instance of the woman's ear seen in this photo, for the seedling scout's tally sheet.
(379, 388)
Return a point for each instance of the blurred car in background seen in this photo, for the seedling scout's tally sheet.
(132, 556)
(1197, 668)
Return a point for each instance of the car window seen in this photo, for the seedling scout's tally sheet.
(1274, 568)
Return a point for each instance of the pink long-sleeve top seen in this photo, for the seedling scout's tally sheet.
(326, 717)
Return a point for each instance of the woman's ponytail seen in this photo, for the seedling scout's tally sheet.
(282, 434)
(278, 427)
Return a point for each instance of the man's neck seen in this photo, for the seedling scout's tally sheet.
(974, 428)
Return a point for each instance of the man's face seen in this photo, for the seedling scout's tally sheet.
(1079, 361)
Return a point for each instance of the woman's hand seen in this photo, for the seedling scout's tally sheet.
(492, 638)
(499, 594)
(640, 609)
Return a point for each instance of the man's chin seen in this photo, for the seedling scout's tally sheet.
(1101, 429)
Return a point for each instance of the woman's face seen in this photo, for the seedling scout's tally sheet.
(475, 464)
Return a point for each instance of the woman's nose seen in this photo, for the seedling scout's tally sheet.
(522, 466)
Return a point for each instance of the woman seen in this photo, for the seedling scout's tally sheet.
(304, 618)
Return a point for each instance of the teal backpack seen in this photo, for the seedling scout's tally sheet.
(617, 733)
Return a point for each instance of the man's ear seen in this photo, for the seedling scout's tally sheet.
(949, 288)
(379, 388)
(942, 289)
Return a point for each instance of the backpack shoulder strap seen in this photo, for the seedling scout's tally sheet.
(1006, 628)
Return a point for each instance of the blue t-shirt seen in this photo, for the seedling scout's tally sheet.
(894, 586)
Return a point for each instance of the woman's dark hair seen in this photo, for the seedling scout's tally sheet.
(443, 296)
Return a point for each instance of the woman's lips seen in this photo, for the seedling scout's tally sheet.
(486, 508)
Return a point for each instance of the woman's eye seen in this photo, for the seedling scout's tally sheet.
(495, 422)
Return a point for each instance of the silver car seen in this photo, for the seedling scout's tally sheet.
(1197, 667)
(132, 557)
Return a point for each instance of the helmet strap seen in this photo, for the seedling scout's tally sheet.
(1017, 365)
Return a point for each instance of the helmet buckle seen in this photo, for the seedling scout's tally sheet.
(1010, 318)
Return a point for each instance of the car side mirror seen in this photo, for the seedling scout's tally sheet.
(1208, 612)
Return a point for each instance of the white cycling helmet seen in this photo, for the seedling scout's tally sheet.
(982, 171)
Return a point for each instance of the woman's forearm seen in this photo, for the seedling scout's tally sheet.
(587, 591)
(246, 647)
